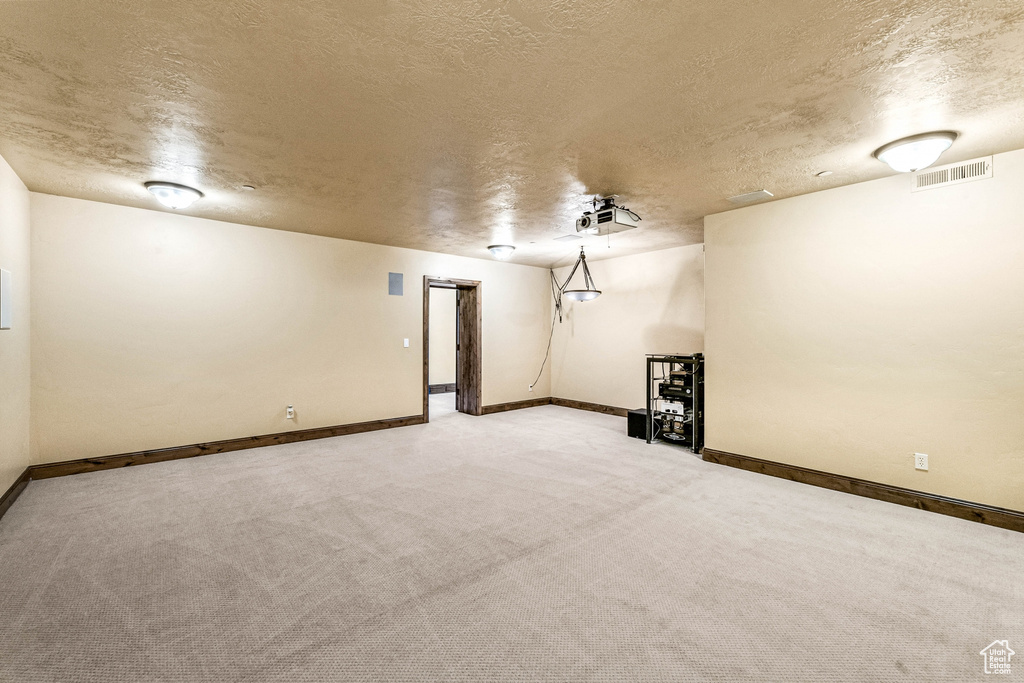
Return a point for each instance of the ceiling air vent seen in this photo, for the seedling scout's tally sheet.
(953, 174)
(750, 197)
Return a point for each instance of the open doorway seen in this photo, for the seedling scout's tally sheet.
(442, 350)
(467, 341)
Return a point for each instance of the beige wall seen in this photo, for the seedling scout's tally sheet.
(153, 329)
(442, 336)
(651, 303)
(14, 343)
(849, 328)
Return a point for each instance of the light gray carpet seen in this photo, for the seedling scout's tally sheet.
(442, 405)
(536, 545)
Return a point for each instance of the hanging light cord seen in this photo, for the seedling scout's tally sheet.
(556, 292)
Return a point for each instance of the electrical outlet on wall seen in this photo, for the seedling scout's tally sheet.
(921, 461)
(289, 412)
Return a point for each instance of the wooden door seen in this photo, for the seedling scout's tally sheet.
(468, 392)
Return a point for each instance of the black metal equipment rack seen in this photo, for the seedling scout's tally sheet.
(675, 400)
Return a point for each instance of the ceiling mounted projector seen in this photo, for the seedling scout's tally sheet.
(607, 218)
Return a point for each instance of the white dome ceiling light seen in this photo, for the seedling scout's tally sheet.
(502, 252)
(173, 195)
(917, 151)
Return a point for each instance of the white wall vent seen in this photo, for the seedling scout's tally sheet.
(953, 174)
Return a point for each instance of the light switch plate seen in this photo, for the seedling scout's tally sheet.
(6, 300)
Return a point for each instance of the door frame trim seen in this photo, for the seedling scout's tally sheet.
(447, 283)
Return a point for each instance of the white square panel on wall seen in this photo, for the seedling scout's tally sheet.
(6, 300)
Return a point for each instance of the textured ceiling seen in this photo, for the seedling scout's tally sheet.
(447, 126)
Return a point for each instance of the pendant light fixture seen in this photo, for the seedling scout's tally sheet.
(590, 292)
(173, 195)
(915, 152)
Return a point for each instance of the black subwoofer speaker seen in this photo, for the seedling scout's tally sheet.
(636, 423)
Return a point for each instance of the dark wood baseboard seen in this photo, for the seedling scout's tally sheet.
(108, 462)
(60, 469)
(593, 407)
(954, 507)
(516, 405)
(11, 495)
(441, 388)
(564, 402)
